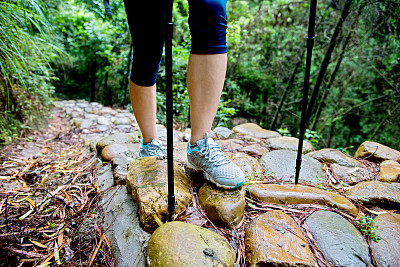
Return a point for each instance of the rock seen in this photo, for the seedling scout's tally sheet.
(281, 164)
(230, 145)
(329, 155)
(223, 207)
(287, 143)
(376, 193)
(255, 150)
(178, 244)
(102, 128)
(105, 178)
(249, 165)
(377, 152)
(30, 151)
(118, 138)
(117, 150)
(161, 132)
(127, 239)
(180, 151)
(185, 136)
(249, 138)
(351, 175)
(274, 239)
(388, 229)
(91, 116)
(122, 121)
(339, 241)
(389, 171)
(104, 120)
(300, 194)
(147, 179)
(119, 166)
(223, 132)
(91, 141)
(253, 129)
(86, 123)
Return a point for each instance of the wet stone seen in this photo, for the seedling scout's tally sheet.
(119, 166)
(118, 138)
(91, 141)
(122, 121)
(223, 207)
(118, 150)
(249, 165)
(339, 241)
(288, 143)
(386, 252)
(377, 152)
(351, 175)
(180, 151)
(255, 150)
(230, 145)
(274, 239)
(147, 180)
(281, 164)
(389, 171)
(179, 244)
(290, 194)
(253, 129)
(329, 155)
(223, 132)
(376, 193)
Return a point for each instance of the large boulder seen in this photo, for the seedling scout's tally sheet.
(147, 180)
(351, 175)
(288, 143)
(339, 241)
(300, 194)
(377, 152)
(282, 163)
(329, 155)
(249, 165)
(389, 171)
(386, 252)
(253, 129)
(376, 193)
(223, 207)
(274, 239)
(179, 244)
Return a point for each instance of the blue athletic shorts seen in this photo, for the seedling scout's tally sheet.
(207, 23)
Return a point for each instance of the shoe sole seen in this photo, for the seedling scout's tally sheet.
(209, 178)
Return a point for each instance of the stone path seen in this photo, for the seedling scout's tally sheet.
(343, 205)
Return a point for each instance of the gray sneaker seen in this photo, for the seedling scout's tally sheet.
(154, 148)
(208, 157)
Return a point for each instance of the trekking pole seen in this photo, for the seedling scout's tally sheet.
(168, 34)
(304, 119)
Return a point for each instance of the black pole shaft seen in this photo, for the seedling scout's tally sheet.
(168, 33)
(304, 119)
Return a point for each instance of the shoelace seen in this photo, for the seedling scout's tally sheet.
(213, 152)
(156, 150)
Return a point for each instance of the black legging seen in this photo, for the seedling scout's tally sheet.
(207, 23)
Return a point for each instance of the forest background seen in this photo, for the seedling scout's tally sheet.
(69, 49)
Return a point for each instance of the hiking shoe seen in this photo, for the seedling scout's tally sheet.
(208, 157)
(153, 149)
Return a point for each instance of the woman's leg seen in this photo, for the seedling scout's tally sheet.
(205, 80)
(207, 63)
(146, 25)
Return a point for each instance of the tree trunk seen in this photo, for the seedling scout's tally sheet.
(328, 55)
(285, 93)
(330, 82)
(93, 69)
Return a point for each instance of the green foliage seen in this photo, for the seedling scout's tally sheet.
(312, 136)
(366, 225)
(284, 131)
(26, 49)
